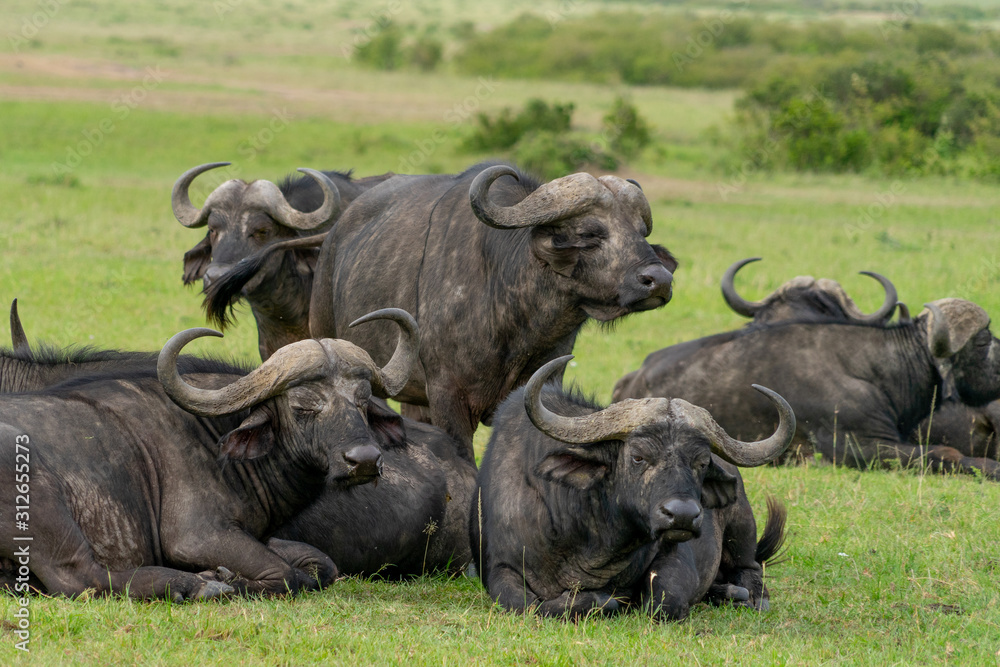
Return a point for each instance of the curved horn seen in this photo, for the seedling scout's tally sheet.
(17, 336)
(184, 210)
(739, 305)
(612, 423)
(745, 454)
(290, 217)
(619, 419)
(297, 361)
(938, 336)
(554, 201)
(392, 377)
(888, 307)
(904, 313)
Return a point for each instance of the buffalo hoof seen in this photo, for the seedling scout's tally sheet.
(721, 593)
(214, 589)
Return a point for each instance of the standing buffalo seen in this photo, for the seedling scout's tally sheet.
(243, 218)
(498, 287)
(858, 389)
(582, 508)
(415, 520)
(127, 492)
(972, 431)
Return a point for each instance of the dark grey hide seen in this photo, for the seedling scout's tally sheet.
(858, 390)
(629, 507)
(244, 219)
(498, 287)
(969, 431)
(133, 494)
(415, 520)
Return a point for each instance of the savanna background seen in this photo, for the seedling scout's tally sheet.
(828, 137)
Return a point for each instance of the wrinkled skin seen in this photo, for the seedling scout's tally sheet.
(857, 390)
(365, 529)
(279, 292)
(174, 505)
(493, 304)
(569, 530)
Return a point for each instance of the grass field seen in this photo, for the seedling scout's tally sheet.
(884, 567)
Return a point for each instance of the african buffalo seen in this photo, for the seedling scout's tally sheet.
(858, 389)
(415, 520)
(970, 431)
(129, 495)
(582, 508)
(498, 287)
(243, 218)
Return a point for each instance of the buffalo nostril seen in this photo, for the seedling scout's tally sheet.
(364, 460)
(681, 514)
(655, 275)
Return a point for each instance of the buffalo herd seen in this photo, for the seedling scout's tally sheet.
(165, 475)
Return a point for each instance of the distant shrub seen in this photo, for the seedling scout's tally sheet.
(506, 128)
(552, 154)
(627, 131)
(384, 50)
(425, 53)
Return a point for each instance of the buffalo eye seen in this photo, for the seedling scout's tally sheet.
(260, 235)
(304, 412)
(638, 460)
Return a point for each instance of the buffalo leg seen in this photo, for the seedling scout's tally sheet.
(451, 413)
(510, 590)
(307, 558)
(671, 584)
(256, 568)
(64, 563)
(937, 458)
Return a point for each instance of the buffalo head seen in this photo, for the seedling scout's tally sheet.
(311, 397)
(966, 353)
(806, 297)
(591, 231)
(242, 218)
(654, 455)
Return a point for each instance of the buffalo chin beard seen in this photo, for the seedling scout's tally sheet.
(607, 312)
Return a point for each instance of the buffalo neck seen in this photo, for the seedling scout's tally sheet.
(897, 359)
(280, 484)
(529, 305)
(281, 307)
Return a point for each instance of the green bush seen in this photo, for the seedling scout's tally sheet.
(506, 129)
(626, 130)
(384, 50)
(551, 154)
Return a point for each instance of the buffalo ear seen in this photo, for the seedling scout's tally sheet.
(251, 439)
(558, 256)
(385, 425)
(306, 259)
(666, 257)
(719, 488)
(197, 259)
(580, 466)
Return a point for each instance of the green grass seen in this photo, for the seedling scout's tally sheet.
(95, 258)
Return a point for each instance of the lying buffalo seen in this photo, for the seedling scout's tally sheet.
(244, 217)
(858, 389)
(582, 508)
(971, 431)
(415, 520)
(498, 287)
(128, 494)
(804, 297)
